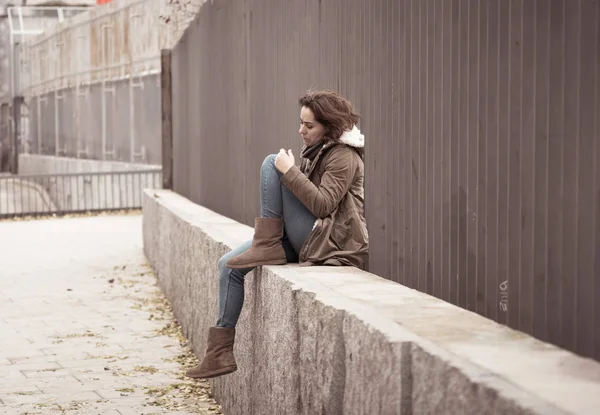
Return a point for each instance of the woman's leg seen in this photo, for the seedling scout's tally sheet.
(278, 201)
(271, 203)
(219, 358)
(268, 243)
(231, 285)
(231, 288)
(298, 220)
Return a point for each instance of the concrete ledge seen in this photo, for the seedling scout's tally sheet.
(325, 340)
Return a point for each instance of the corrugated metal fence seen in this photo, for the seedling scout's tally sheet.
(482, 122)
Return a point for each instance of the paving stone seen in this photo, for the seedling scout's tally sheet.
(49, 373)
(33, 358)
(21, 389)
(27, 366)
(66, 350)
(98, 361)
(64, 381)
(25, 397)
(122, 392)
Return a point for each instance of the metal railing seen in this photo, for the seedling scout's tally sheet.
(36, 195)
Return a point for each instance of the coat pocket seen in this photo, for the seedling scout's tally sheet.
(341, 232)
(347, 234)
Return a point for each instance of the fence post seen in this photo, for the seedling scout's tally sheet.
(167, 118)
(17, 101)
(4, 137)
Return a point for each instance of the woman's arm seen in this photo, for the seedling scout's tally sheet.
(335, 182)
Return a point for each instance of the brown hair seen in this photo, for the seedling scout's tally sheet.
(332, 110)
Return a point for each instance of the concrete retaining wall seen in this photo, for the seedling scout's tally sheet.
(325, 340)
(90, 192)
(39, 164)
(21, 197)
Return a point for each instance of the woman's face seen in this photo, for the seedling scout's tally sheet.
(311, 130)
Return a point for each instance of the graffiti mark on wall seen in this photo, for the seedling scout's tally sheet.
(504, 296)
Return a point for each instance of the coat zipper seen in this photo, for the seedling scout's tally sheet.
(303, 251)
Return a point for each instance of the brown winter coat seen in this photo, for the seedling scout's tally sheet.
(332, 188)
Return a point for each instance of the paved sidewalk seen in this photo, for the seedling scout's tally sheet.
(83, 326)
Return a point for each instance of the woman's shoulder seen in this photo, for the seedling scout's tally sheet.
(342, 156)
(345, 153)
(343, 150)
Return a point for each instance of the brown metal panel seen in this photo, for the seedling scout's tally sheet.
(396, 139)
(429, 195)
(570, 173)
(377, 183)
(527, 160)
(596, 191)
(388, 135)
(463, 150)
(405, 117)
(514, 166)
(503, 176)
(419, 145)
(471, 157)
(391, 135)
(446, 136)
(481, 183)
(404, 168)
(584, 312)
(490, 92)
(413, 139)
(556, 141)
(384, 113)
(435, 257)
(238, 145)
(454, 151)
(539, 272)
(376, 166)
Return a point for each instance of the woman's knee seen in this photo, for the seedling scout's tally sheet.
(269, 162)
(222, 264)
(225, 273)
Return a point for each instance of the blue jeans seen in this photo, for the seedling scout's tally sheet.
(276, 201)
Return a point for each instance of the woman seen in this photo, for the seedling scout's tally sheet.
(313, 214)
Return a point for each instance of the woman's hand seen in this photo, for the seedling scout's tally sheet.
(284, 161)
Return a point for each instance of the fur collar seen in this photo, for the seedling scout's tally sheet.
(353, 138)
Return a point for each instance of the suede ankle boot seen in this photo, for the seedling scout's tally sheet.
(266, 246)
(219, 359)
